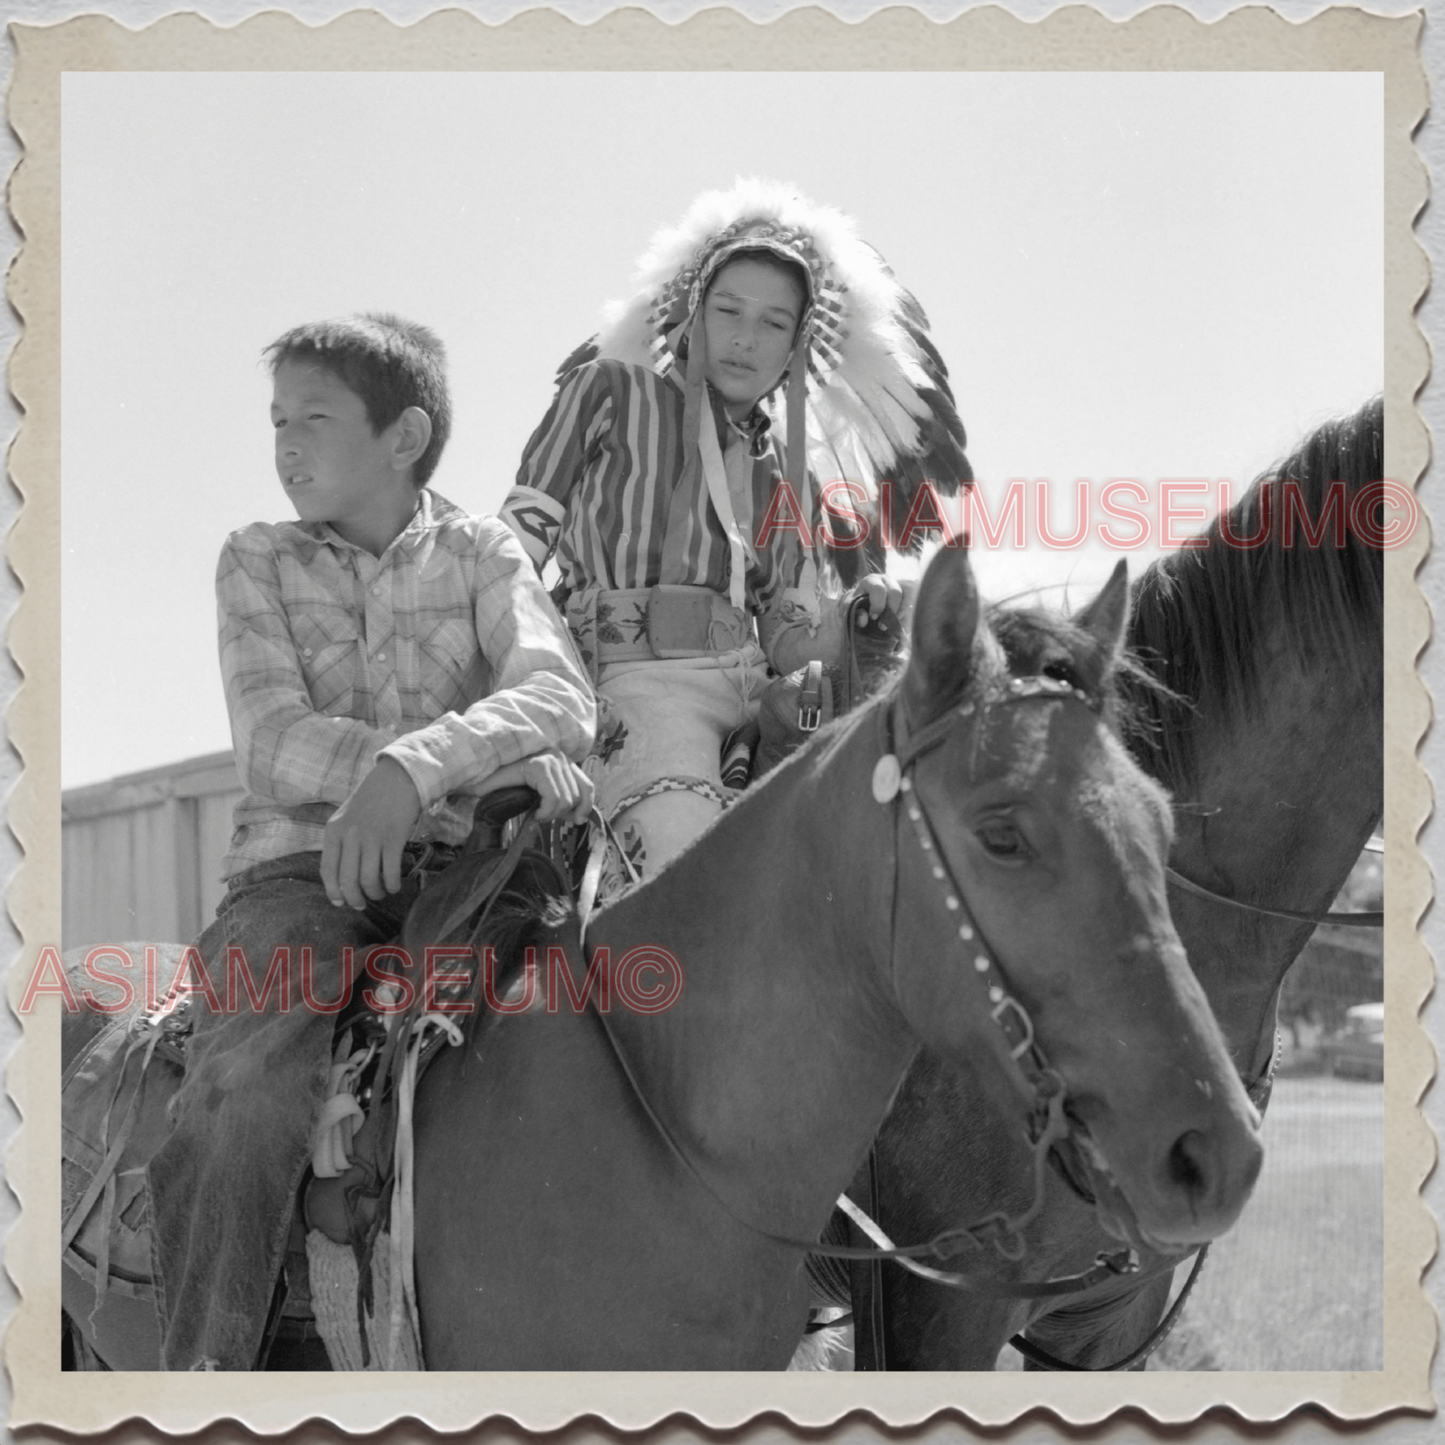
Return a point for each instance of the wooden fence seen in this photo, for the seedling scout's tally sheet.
(141, 854)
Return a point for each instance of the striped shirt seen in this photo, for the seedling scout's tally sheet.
(596, 483)
(444, 654)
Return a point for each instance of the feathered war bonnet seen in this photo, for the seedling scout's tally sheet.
(865, 397)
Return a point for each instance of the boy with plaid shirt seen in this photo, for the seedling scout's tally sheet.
(387, 659)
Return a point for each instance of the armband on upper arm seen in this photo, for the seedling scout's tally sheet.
(536, 518)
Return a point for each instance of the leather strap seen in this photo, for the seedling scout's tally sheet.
(1157, 1335)
(716, 473)
(812, 707)
(1337, 920)
(870, 1311)
(1105, 1267)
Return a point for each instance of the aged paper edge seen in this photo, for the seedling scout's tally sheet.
(1077, 38)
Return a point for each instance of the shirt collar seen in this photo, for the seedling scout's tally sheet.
(432, 512)
(753, 429)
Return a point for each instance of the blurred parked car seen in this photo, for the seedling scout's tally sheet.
(1357, 1051)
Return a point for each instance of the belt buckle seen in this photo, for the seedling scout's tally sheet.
(1018, 1028)
(810, 699)
(679, 619)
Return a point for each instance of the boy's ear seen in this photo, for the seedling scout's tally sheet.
(412, 431)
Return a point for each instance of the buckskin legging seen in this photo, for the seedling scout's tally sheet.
(663, 724)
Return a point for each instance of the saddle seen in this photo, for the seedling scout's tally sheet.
(459, 908)
(794, 707)
(113, 1119)
(115, 1098)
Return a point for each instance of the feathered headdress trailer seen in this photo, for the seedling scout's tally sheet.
(865, 396)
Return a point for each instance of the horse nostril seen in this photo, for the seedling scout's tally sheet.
(1189, 1164)
(1207, 1174)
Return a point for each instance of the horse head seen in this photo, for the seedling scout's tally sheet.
(1031, 850)
(1267, 730)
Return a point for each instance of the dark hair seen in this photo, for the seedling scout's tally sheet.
(389, 363)
(1204, 617)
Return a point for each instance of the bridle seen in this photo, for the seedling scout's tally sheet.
(891, 774)
(1048, 1125)
(1040, 1085)
(1034, 1075)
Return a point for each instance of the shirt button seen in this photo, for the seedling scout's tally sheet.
(381, 657)
(306, 652)
(376, 591)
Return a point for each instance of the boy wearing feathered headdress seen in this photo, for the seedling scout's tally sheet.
(654, 477)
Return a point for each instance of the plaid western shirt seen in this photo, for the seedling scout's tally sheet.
(444, 654)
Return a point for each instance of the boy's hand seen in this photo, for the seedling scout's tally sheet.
(883, 594)
(565, 790)
(878, 628)
(361, 853)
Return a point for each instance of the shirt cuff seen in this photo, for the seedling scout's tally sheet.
(421, 754)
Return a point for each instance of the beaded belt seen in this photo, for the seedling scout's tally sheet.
(667, 621)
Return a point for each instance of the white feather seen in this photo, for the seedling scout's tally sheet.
(866, 406)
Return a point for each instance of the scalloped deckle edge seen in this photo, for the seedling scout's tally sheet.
(896, 39)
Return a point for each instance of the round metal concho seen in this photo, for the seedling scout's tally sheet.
(887, 775)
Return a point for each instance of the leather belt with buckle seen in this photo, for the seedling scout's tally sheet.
(810, 698)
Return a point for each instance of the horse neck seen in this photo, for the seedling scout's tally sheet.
(1281, 804)
(776, 1067)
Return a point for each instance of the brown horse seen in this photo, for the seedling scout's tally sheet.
(1271, 741)
(973, 862)
(629, 1192)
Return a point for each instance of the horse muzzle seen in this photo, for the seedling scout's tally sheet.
(1187, 1197)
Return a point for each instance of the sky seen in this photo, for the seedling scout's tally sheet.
(1129, 276)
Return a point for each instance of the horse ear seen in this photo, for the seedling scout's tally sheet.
(945, 623)
(1106, 620)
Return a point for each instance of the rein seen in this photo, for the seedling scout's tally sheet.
(1337, 920)
(1047, 1123)
(1258, 1093)
(1045, 1361)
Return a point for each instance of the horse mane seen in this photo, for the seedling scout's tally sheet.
(1201, 615)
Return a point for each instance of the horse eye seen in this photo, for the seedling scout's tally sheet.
(1061, 671)
(1002, 840)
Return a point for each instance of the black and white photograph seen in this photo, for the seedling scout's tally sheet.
(727, 721)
